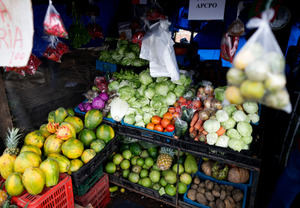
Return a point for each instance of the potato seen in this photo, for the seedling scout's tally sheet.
(196, 180)
(239, 205)
(229, 204)
(229, 188)
(209, 196)
(209, 185)
(194, 186)
(222, 195)
(212, 204)
(217, 187)
(191, 194)
(201, 190)
(201, 199)
(222, 186)
(220, 203)
(216, 193)
(237, 195)
(202, 184)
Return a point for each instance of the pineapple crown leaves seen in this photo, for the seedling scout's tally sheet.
(167, 150)
(12, 138)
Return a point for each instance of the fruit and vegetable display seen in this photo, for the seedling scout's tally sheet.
(221, 171)
(126, 54)
(63, 145)
(141, 96)
(258, 72)
(212, 194)
(153, 167)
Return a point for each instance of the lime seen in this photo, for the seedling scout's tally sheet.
(181, 168)
(133, 177)
(182, 188)
(154, 176)
(170, 190)
(133, 160)
(144, 173)
(110, 168)
(146, 182)
(163, 182)
(122, 190)
(117, 159)
(144, 154)
(125, 173)
(125, 164)
(186, 178)
(136, 169)
(140, 162)
(127, 154)
(149, 161)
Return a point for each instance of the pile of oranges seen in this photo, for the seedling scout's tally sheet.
(164, 124)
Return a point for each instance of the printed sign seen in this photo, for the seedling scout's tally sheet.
(16, 32)
(206, 9)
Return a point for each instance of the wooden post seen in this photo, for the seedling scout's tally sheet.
(5, 117)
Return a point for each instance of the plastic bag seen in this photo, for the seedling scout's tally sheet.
(31, 67)
(258, 69)
(157, 48)
(55, 49)
(53, 24)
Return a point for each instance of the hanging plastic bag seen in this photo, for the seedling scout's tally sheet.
(31, 67)
(157, 48)
(55, 49)
(53, 24)
(258, 69)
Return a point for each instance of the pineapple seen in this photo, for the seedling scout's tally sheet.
(11, 142)
(165, 158)
(8, 158)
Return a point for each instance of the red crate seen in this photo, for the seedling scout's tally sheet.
(98, 196)
(59, 196)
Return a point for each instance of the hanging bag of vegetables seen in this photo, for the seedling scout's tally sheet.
(258, 69)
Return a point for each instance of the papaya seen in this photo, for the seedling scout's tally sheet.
(34, 180)
(75, 165)
(44, 131)
(26, 160)
(34, 138)
(87, 155)
(76, 122)
(14, 185)
(71, 112)
(52, 144)
(87, 136)
(51, 116)
(65, 131)
(105, 133)
(31, 148)
(7, 165)
(63, 162)
(92, 119)
(60, 114)
(51, 170)
(72, 148)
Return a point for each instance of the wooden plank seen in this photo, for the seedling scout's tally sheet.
(5, 117)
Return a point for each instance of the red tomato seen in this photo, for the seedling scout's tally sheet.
(168, 115)
(150, 126)
(165, 122)
(196, 104)
(178, 109)
(156, 119)
(158, 127)
(172, 110)
(176, 114)
(182, 100)
(170, 128)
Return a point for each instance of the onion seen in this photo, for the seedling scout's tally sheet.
(217, 104)
(204, 115)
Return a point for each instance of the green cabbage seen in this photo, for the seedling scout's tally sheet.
(126, 92)
(130, 119)
(162, 88)
(179, 90)
(247, 139)
(236, 144)
(233, 134)
(222, 116)
(211, 125)
(229, 124)
(250, 107)
(229, 109)
(239, 116)
(171, 98)
(145, 77)
(114, 85)
(244, 128)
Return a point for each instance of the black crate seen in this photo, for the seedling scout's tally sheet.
(79, 177)
(148, 136)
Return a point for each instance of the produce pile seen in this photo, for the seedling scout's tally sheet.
(141, 96)
(63, 145)
(223, 126)
(126, 54)
(153, 167)
(222, 171)
(212, 194)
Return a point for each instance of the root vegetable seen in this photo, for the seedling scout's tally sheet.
(204, 115)
(237, 195)
(209, 196)
(238, 175)
(222, 194)
(196, 180)
(229, 202)
(216, 193)
(201, 190)
(206, 167)
(191, 194)
(193, 134)
(191, 129)
(210, 185)
(239, 205)
(198, 124)
(217, 188)
(229, 188)
(212, 204)
(194, 119)
(202, 184)
(220, 203)
(221, 131)
(201, 199)
(194, 186)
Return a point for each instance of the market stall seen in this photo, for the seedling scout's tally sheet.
(145, 109)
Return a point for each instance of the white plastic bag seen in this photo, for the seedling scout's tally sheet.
(258, 69)
(157, 48)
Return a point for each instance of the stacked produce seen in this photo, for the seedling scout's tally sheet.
(164, 124)
(53, 149)
(152, 167)
(212, 194)
(126, 54)
(141, 97)
(222, 171)
(223, 126)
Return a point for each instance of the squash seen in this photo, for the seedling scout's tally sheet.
(238, 175)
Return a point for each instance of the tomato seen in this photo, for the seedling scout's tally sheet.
(158, 127)
(182, 100)
(165, 122)
(150, 126)
(196, 104)
(178, 109)
(172, 110)
(176, 104)
(156, 119)
(168, 115)
(176, 115)
(189, 102)
(170, 128)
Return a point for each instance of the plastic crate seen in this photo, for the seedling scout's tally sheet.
(60, 196)
(205, 177)
(105, 66)
(89, 182)
(230, 183)
(2, 180)
(98, 196)
(79, 177)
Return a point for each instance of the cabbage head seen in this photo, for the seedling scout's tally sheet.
(145, 77)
